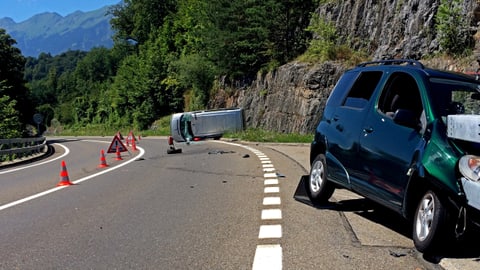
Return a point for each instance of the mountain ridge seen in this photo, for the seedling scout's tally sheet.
(50, 32)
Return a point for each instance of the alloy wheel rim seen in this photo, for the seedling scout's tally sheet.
(425, 217)
(316, 177)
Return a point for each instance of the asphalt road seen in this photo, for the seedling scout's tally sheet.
(216, 205)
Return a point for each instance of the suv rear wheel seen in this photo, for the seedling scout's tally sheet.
(429, 222)
(319, 188)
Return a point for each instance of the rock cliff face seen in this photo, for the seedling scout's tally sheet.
(292, 98)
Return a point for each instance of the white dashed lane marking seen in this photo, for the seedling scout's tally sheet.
(271, 182)
(268, 214)
(271, 190)
(270, 231)
(271, 201)
(268, 256)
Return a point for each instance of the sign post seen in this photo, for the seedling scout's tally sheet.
(38, 119)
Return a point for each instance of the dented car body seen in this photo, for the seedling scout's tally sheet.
(198, 125)
(406, 137)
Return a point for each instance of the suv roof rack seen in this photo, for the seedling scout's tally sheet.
(393, 62)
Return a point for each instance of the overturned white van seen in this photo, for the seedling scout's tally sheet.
(198, 125)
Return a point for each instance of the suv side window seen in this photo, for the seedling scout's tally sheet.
(400, 92)
(362, 89)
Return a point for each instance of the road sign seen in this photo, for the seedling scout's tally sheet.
(116, 144)
(37, 118)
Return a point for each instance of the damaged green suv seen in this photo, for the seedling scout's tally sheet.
(408, 138)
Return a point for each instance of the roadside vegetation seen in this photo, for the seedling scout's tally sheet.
(161, 127)
(324, 46)
(261, 135)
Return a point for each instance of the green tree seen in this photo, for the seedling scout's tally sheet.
(287, 28)
(137, 19)
(96, 66)
(194, 73)
(322, 46)
(138, 94)
(51, 80)
(11, 76)
(10, 126)
(247, 36)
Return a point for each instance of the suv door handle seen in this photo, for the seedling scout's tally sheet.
(368, 129)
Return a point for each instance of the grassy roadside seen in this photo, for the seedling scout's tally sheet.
(260, 135)
(161, 127)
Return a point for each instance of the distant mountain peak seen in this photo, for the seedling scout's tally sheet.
(7, 19)
(47, 14)
(50, 32)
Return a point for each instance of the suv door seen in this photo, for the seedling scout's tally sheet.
(388, 143)
(346, 125)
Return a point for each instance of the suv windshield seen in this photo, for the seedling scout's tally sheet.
(454, 97)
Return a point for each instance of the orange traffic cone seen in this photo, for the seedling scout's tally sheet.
(64, 180)
(119, 157)
(134, 145)
(103, 161)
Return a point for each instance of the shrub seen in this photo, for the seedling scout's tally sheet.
(453, 29)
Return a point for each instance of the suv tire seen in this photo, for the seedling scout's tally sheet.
(429, 222)
(319, 188)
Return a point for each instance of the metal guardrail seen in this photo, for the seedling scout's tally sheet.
(21, 147)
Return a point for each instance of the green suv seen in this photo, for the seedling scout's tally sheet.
(408, 138)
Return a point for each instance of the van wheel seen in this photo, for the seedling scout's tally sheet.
(430, 222)
(319, 188)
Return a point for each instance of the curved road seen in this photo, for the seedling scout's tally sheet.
(216, 205)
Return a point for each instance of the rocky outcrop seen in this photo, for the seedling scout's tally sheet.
(390, 29)
(292, 98)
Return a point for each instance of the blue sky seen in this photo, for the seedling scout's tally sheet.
(20, 10)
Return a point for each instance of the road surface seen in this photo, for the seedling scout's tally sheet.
(216, 205)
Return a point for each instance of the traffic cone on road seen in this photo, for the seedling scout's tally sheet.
(103, 161)
(134, 145)
(119, 157)
(64, 180)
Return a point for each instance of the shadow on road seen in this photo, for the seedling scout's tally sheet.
(467, 247)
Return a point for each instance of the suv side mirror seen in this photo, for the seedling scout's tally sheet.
(405, 118)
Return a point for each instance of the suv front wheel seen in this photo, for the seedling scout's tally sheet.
(319, 188)
(429, 223)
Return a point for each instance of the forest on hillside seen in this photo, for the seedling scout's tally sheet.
(168, 56)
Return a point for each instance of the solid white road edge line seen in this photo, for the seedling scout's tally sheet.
(41, 194)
